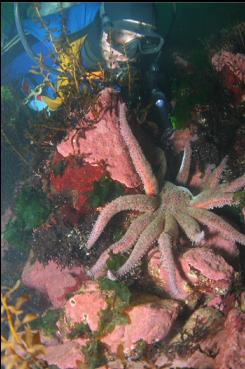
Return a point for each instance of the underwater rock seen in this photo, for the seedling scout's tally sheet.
(235, 62)
(183, 350)
(232, 351)
(215, 241)
(203, 321)
(150, 322)
(53, 281)
(232, 67)
(197, 360)
(208, 340)
(159, 276)
(118, 364)
(231, 83)
(102, 142)
(208, 272)
(86, 305)
(65, 355)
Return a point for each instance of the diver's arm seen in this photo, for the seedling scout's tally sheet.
(161, 106)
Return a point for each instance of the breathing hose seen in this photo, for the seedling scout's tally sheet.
(21, 33)
(24, 42)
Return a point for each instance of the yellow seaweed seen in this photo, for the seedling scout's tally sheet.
(21, 345)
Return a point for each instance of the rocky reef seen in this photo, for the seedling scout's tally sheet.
(136, 251)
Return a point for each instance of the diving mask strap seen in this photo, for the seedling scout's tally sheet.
(105, 20)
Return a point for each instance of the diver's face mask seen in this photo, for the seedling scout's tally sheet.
(132, 44)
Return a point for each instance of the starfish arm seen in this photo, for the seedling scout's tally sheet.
(213, 220)
(124, 244)
(183, 174)
(148, 236)
(171, 226)
(142, 166)
(207, 174)
(214, 177)
(167, 262)
(190, 226)
(162, 162)
(234, 186)
(210, 200)
(128, 202)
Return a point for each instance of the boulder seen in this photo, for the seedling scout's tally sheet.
(101, 141)
(66, 355)
(150, 322)
(55, 283)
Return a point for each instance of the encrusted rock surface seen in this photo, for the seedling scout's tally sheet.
(65, 355)
(150, 322)
(86, 306)
(103, 143)
(55, 283)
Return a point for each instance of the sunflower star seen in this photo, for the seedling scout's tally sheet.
(164, 212)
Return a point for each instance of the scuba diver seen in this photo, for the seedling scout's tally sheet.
(103, 36)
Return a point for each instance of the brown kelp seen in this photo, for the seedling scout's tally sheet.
(21, 345)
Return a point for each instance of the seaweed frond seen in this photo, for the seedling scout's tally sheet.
(21, 345)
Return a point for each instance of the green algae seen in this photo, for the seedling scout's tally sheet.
(94, 353)
(121, 291)
(240, 196)
(47, 322)
(118, 299)
(115, 261)
(79, 329)
(31, 209)
(104, 190)
(15, 235)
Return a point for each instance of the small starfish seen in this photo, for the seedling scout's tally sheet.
(164, 212)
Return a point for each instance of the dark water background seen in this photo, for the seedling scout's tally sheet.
(197, 21)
